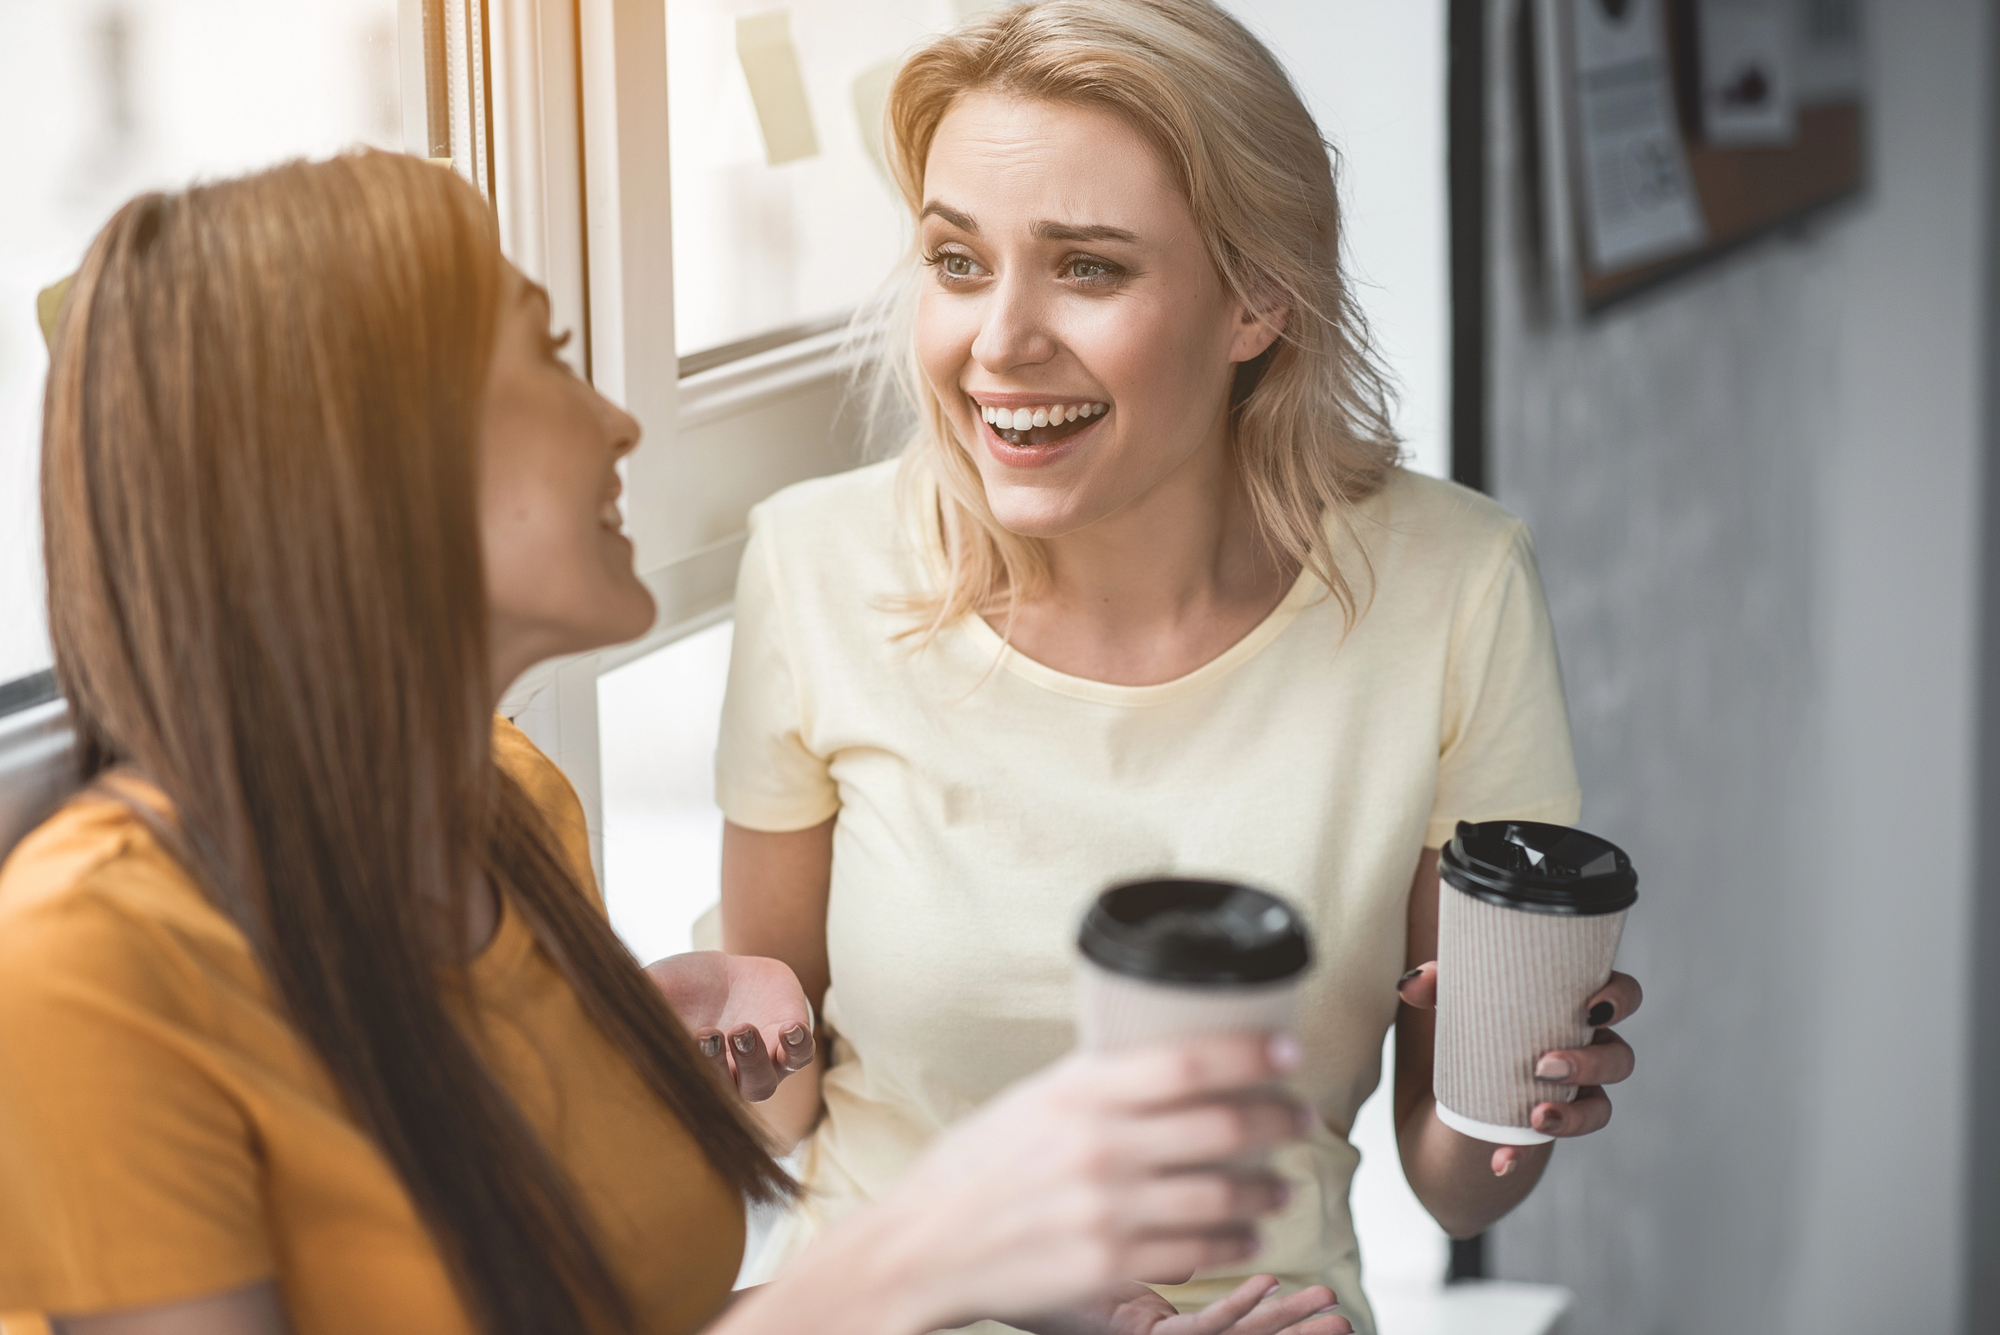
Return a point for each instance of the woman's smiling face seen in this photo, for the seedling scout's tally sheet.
(1071, 322)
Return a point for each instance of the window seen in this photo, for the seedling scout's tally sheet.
(783, 213)
(110, 99)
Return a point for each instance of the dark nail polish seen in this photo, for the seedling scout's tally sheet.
(711, 1045)
(746, 1042)
(1408, 976)
(1600, 1014)
(1551, 1123)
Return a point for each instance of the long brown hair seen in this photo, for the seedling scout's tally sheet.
(259, 467)
(1310, 418)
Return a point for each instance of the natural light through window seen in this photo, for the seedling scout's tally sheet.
(107, 100)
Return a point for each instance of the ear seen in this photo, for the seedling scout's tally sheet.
(1258, 323)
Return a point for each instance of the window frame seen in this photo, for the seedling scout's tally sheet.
(577, 99)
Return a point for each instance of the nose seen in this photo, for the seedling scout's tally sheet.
(620, 427)
(1013, 328)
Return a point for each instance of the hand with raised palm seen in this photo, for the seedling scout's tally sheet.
(747, 1014)
(1254, 1308)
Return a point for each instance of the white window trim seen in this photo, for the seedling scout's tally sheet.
(582, 183)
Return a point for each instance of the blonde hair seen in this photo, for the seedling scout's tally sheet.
(1310, 417)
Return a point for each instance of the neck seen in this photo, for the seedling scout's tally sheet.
(1162, 586)
(1184, 548)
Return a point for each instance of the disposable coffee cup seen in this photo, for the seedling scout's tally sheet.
(1527, 931)
(1167, 959)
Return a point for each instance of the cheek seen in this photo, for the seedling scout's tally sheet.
(945, 331)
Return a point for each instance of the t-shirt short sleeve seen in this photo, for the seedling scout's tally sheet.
(767, 776)
(127, 1176)
(1504, 750)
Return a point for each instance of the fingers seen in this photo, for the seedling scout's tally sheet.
(1589, 1113)
(1606, 1061)
(1419, 987)
(712, 1046)
(795, 1048)
(756, 1077)
(1211, 1133)
(1255, 1309)
(1225, 1312)
(1301, 1313)
(1615, 1001)
(1185, 1255)
(1191, 1202)
(1196, 1068)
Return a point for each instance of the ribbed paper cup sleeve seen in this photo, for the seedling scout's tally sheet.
(1512, 985)
(1116, 1011)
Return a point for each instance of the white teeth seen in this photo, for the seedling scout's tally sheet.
(1026, 419)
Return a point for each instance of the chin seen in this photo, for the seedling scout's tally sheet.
(1037, 512)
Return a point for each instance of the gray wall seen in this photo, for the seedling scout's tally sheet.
(1755, 495)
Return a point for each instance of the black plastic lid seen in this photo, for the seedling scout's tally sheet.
(1523, 864)
(1202, 932)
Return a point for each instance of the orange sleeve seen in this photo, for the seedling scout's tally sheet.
(128, 1177)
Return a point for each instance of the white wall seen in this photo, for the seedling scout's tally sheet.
(1754, 495)
(1373, 74)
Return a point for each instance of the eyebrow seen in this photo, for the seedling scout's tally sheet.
(1045, 230)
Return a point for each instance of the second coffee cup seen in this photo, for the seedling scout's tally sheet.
(1528, 922)
(1166, 959)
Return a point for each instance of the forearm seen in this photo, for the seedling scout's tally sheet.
(865, 1277)
(790, 1114)
(1452, 1174)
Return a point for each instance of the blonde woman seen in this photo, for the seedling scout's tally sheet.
(1147, 593)
(310, 1017)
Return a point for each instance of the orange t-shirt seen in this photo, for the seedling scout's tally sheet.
(165, 1134)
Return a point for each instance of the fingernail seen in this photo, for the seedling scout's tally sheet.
(745, 1042)
(1408, 976)
(1285, 1052)
(711, 1045)
(1508, 1167)
(796, 1036)
(1600, 1014)
(1554, 1068)
(1550, 1122)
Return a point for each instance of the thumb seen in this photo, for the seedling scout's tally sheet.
(1419, 987)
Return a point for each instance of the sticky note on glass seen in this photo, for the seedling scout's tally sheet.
(48, 305)
(777, 86)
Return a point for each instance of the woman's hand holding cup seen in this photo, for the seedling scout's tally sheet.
(1606, 1061)
(1104, 1168)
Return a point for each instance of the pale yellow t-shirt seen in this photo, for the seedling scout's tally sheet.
(984, 799)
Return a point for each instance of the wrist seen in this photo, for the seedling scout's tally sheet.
(869, 1275)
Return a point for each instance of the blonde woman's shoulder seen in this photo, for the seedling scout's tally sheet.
(1443, 519)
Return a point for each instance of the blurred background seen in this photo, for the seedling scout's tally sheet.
(1702, 289)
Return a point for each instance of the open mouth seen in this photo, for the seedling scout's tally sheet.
(1044, 424)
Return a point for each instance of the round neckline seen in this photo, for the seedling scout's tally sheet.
(1302, 593)
(1038, 673)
